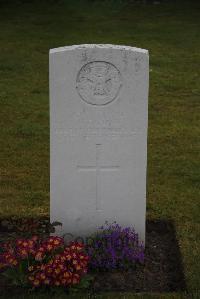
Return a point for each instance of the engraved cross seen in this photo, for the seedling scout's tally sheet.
(98, 168)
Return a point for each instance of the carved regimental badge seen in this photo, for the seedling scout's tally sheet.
(98, 82)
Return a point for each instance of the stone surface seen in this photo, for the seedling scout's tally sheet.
(98, 147)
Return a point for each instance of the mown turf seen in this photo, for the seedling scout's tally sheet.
(105, 296)
(171, 33)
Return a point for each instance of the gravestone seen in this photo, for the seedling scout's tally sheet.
(98, 143)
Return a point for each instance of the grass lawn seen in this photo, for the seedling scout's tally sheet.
(107, 296)
(171, 32)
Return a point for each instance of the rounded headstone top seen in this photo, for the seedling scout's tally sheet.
(99, 46)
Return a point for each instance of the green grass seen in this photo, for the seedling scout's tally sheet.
(171, 33)
(107, 296)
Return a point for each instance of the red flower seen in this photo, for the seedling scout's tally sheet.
(48, 266)
(36, 282)
(39, 256)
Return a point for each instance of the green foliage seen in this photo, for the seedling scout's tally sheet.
(16, 276)
(84, 284)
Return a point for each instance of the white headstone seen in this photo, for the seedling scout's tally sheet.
(98, 147)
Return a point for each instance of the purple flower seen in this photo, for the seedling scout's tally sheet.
(115, 247)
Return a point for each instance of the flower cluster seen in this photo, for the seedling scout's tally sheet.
(65, 269)
(45, 262)
(114, 247)
(8, 259)
(25, 247)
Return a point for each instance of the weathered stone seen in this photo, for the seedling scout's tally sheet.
(98, 119)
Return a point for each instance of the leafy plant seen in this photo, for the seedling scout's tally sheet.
(37, 262)
(114, 247)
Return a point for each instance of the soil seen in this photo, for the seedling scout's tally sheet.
(161, 272)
